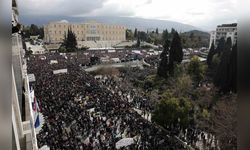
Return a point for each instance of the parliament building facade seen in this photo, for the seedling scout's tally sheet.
(54, 32)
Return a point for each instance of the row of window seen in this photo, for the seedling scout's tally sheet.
(89, 26)
(90, 32)
(93, 39)
(226, 29)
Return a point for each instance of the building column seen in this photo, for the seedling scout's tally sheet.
(16, 108)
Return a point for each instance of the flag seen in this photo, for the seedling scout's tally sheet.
(37, 122)
(39, 106)
(32, 95)
(34, 104)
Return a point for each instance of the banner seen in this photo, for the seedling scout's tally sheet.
(60, 71)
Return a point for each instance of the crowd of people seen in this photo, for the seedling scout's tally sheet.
(82, 112)
(135, 98)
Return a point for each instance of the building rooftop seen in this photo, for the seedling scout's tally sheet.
(228, 25)
(63, 21)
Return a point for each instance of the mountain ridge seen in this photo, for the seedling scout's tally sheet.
(130, 22)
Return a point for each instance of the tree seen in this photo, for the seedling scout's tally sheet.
(172, 111)
(129, 34)
(196, 69)
(224, 121)
(163, 69)
(165, 35)
(176, 48)
(183, 85)
(233, 68)
(176, 53)
(222, 76)
(221, 46)
(70, 42)
(215, 63)
(191, 36)
(210, 55)
(41, 33)
(172, 33)
(62, 49)
(138, 42)
(142, 35)
(157, 31)
(135, 33)
(199, 38)
(32, 31)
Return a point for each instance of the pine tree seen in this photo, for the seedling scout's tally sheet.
(176, 48)
(157, 31)
(210, 55)
(70, 42)
(196, 69)
(221, 46)
(135, 33)
(165, 49)
(222, 77)
(165, 35)
(129, 34)
(138, 42)
(172, 33)
(176, 52)
(233, 68)
(163, 65)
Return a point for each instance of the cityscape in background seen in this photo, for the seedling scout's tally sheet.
(100, 84)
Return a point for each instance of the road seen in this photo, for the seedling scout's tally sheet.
(135, 63)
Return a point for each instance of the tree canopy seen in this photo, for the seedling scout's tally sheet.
(129, 34)
(70, 43)
(196, 69)
(172, 111)
(135, 33)
(163, 65)
(222, 76)
(170, 57)
(176, 52)
(33, 30)
(157, 31)
(210, 55)
(221, 46)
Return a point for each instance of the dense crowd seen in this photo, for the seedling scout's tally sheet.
(152, 60)
(82, 112)
(135, 98)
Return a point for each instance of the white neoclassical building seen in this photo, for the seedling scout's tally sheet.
(54, 32)
(224, 31)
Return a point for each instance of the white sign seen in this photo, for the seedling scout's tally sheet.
(124, 142)
(31, 77)
(115, 59)
(136, 52)
(60, 71)
(43, 57)
(53, 62)
(111, 51)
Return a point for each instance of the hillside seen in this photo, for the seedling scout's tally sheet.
(195, 39)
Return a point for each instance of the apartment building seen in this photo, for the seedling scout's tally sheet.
(23, 130)
(54, 32)
(224, 31)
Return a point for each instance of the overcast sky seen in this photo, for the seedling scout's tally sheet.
(205, 14)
